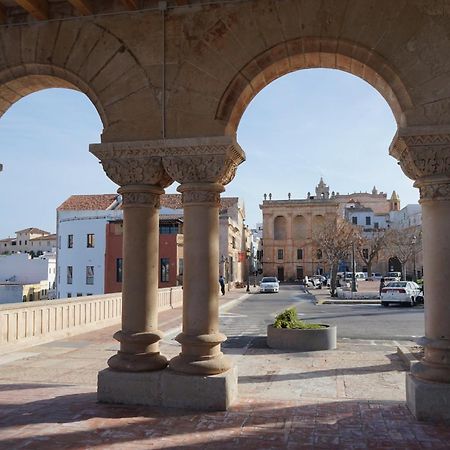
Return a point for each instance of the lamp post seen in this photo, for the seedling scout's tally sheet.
(353, 268)
(413, 243)
(248, 269)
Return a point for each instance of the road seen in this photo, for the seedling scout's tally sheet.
(247, 321)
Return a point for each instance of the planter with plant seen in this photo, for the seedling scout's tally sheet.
(288, 332)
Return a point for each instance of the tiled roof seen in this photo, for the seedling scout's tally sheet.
(33, 231)
(87, 202)
(49, 237)
(103, 201)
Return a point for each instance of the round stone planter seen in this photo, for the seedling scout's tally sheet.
(302, 340)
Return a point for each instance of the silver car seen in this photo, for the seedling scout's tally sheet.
(406, 292)
(269, 284)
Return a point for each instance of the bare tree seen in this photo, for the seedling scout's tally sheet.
(369, 245)
(335, 239)
(404, 244)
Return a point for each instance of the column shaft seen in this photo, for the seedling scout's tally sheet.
(200, 338)
(139, 347)
(436, 253)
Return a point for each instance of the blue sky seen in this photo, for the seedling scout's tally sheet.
(305, 125)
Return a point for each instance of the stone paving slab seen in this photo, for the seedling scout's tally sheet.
(352, 397)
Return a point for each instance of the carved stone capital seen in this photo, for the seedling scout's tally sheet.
(141, 195)
(131, 166)
(205, 160)
(424, 156)
(159, 162)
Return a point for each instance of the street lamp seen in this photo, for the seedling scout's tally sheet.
(248, 269)
(353, 268)
(413, 242)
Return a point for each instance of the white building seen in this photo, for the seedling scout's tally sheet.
(23, 278)
(81, 233)
(407, 217)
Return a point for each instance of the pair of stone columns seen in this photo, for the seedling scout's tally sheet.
(424, 156)
(143, 170)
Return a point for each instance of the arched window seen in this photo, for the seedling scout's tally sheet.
(279, 228)
(299, 229)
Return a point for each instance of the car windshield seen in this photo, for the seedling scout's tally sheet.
(269, 280)
(397, 284)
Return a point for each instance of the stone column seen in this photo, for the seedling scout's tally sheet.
(424, 156)
(202, 167)
(142, 178)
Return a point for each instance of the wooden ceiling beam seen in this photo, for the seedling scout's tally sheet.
(3, 15)
(132, 5)
(84, 7)
(37, 8)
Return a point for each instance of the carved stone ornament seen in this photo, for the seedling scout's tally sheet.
(422, 155)
(201, 197)
(159, 162)
(141, 198)
(425, 158)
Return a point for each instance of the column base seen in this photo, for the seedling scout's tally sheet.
(428, 401)
(167, 388)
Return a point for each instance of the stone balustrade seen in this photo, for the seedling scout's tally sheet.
(30, 323)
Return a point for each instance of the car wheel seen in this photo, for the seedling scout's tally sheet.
(419, 299)
(385, 304)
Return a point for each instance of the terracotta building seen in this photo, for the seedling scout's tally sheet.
(288, 227)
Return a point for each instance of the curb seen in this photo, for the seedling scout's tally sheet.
(407, 358)
(351, 302)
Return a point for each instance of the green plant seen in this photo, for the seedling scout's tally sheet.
(288, 319)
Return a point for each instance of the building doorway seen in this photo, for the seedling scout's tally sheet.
(280, 273)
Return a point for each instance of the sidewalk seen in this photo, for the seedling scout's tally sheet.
(365, 288)
(352, 397)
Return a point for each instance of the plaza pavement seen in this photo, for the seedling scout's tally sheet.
(349, 398)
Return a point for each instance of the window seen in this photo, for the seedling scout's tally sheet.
(368, 220)
(376, 225)
(164, 269)
(26, 242)
(89, 274)
(169, 228)
(354, 220)
(119, 262)
(69, 274)
(319, 254)
(233, 242)
(299, 253)
(180, 266)
(69, 295)
(70, 241)
(280, 253)
(90, 240)
(20, 242)
(79, 294)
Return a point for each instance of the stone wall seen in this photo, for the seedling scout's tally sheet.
(23, 324)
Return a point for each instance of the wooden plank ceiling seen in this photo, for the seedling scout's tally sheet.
(40, 9)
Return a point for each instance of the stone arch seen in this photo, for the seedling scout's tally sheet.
(280, 228)
(299, 228)
(20, 81)
(84, 56)
(303, 53)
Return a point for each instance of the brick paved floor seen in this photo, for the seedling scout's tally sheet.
(349, 398)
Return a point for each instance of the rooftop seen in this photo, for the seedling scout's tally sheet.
(33, 231)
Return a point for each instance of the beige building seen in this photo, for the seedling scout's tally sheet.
(29, 240)
(288, 227)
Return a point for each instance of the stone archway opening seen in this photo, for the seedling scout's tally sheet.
(58, 120)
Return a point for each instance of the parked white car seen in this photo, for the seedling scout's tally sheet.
(269, 284)
(406, 292)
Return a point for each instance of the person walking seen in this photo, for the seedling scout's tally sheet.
(381, 286)
(222, 284)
